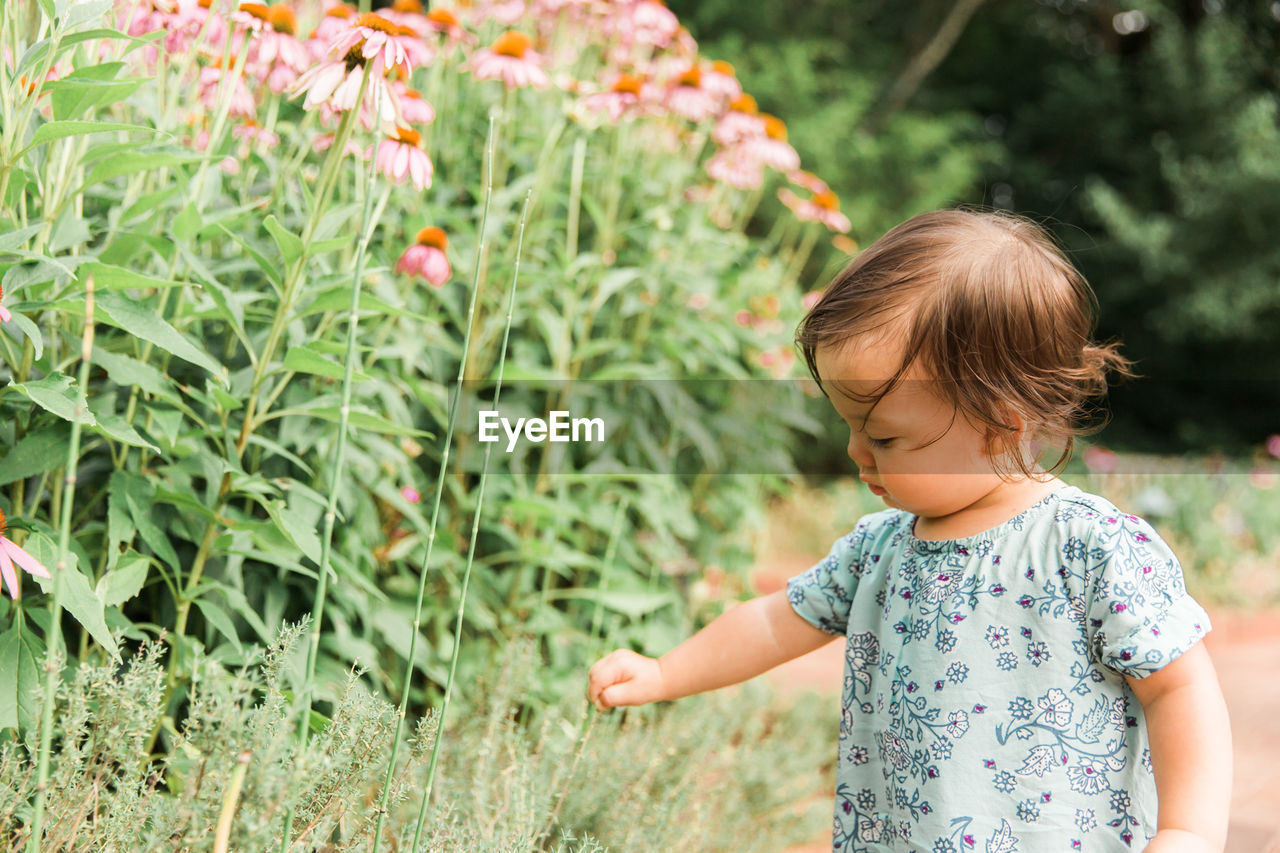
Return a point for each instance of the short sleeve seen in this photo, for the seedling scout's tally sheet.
(823, 594)
(1140, 617)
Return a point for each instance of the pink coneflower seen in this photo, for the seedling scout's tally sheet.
(721, 81)
(504, 12)
(821, 207)
(336, 83)
(426, 257)
(401, 156)
(5, 316)
(324, 142)
(336, 19)
(10, 553)
(811, 299)
(251, 131)
(413, 106)
(741, 121)
(410, 494)
(653, 23)
(687, 98)
(512, 60)
(250, 16)
(778, 362)
(772, 149)
(444, 21)
(621, 98)
(738, 167)
(1262, 478)
(1273, 445)
(211, 77)
(376, 38)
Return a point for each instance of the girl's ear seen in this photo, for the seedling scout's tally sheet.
(1010, 417)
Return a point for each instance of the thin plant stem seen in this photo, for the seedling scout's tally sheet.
(475, 534)
(51, 662)
(440, 478)
(367, 223)
(222, 835)
(607, 565)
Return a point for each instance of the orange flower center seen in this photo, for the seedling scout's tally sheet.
(2, 523)
(258, 10)
(413, 93)
(442, 18)
(774, 128)
(407, 6)
(691, 78)
(205, 4)
(408, 135)
(282, 19)
(827, 200)
(744, 103)
(340, 11)
(628, 84)
(433, 236)
(722, 67)
(377, 22)
(512, 43)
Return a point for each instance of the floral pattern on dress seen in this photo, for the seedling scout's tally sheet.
(991, 668)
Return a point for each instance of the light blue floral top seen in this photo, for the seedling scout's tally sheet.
(984, 703)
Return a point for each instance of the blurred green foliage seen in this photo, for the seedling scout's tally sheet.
(1144, 134)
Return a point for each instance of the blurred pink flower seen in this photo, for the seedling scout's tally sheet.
(811, 299)
(772, 149)
(401, 157)
(410, 494)
(821, 207)
(698, 301)
(209, 89)
(1263, 478)
(687, 98)
(251, 131)
(505, 12)
(621, 98)
(740, 121)
(1273, 445)
(653, 23)
(721, 81)
(426, 257)
(5, 316)
(1100, 459)
(336, 83)
(444, 21)
(10, 553)
(736, 166)
(511, 59)
(413, 106)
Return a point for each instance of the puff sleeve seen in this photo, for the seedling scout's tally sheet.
(823, 594)
(1139, 615)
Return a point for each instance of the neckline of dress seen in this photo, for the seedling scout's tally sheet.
(991, 534)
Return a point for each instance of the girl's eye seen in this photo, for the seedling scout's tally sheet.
(879, 442)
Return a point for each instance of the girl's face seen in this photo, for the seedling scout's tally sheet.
(895, 449)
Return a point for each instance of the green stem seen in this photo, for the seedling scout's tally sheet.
(367, 223)
(435, 512)
(475, 533)
(52, 663)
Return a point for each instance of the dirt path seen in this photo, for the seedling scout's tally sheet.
(1245, 648)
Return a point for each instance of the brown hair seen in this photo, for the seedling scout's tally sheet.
(989, 305)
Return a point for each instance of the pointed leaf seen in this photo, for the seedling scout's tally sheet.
(55, 393)
(124, 313)
(20, 654)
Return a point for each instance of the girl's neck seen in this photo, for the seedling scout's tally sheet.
(995, 508)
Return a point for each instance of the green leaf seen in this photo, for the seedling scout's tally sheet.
(305, 359)
(128, 163)
(37, 453)
(124, 313)
(14, 239)
(290, 244)
(31, 332)
(268, 268)
(116, 427)
(20, 655)
(219, 619)
(125, 580)
(187, 223)
(359, 419)
(62, 129)
(296, 526)
(126, 372)
(55, 393)
(138, 494)
(88, 87)
(86, 10)
(78, 597)
(108, 277)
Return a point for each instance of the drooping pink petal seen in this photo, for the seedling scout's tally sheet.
(22, 558)
(9, 575)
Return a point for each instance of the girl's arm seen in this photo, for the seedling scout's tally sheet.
(1190, 738)
(743, 642)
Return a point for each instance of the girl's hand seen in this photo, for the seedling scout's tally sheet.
(624, 678)
(1180, 841)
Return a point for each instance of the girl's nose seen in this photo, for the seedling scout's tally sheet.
(860, 454)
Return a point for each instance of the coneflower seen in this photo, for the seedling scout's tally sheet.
(510, 58)
(400, 156)
(426, 257)
(10, 553)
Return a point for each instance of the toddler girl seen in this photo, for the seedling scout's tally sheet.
(1023, 667)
